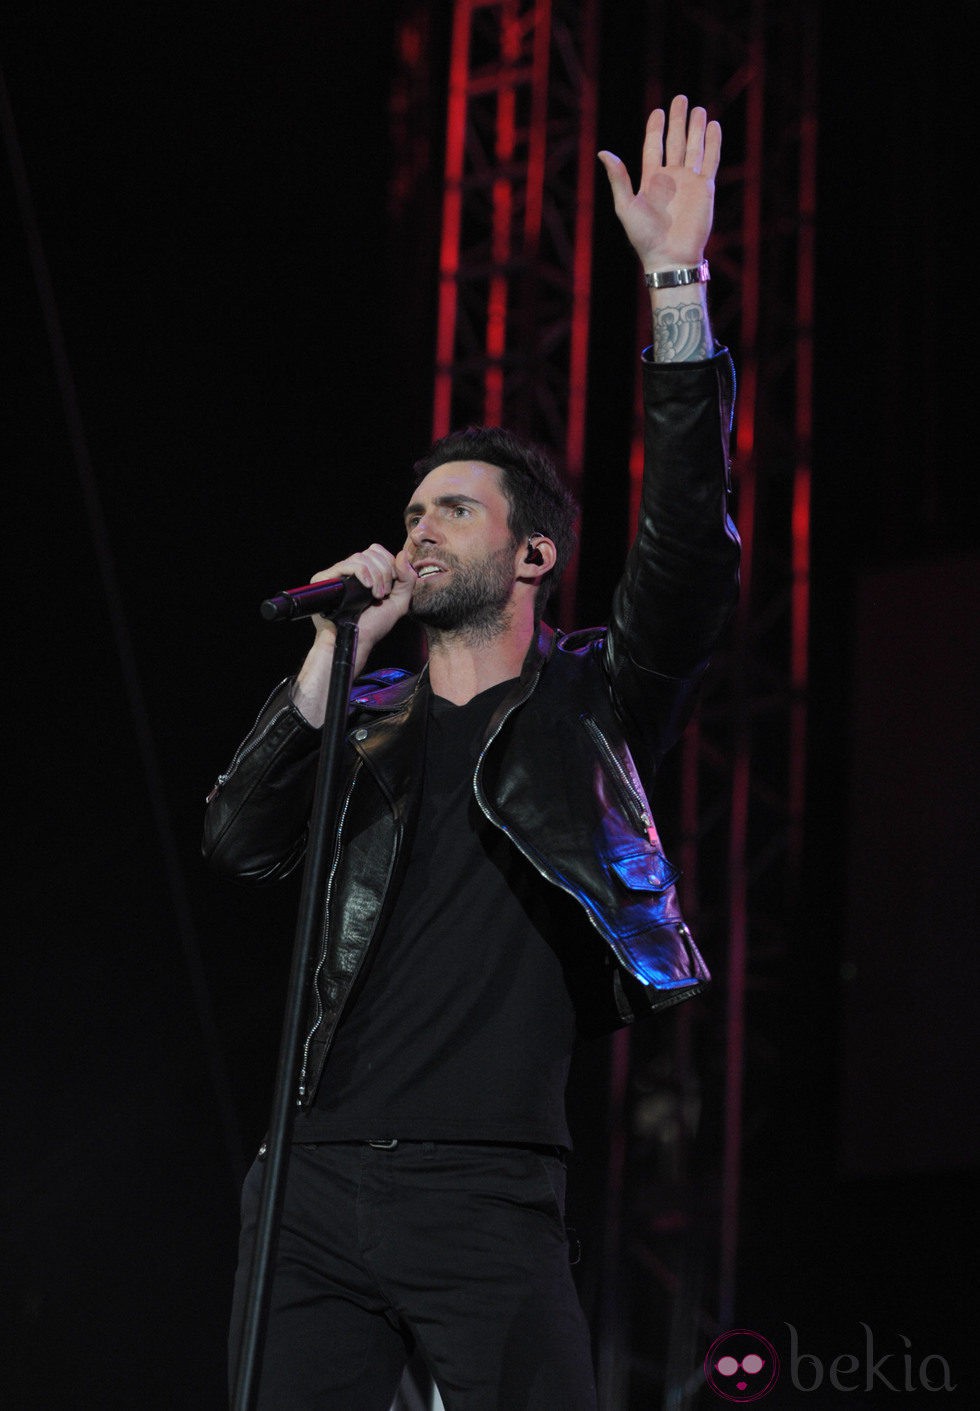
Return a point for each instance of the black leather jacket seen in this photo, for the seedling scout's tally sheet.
(590, 717)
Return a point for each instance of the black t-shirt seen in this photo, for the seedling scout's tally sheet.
(464, 1026)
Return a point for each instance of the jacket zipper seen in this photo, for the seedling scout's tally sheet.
(531, 857)
(631, 792)
(318, 1011)
(243, 749)
(629, 789)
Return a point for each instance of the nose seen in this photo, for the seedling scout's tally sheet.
(423, 531)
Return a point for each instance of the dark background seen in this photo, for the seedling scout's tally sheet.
(247, 316)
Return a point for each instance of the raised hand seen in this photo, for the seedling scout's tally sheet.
(668, 219)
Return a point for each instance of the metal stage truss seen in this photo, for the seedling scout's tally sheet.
(516, 246)
(512, 337)
(699, 1114)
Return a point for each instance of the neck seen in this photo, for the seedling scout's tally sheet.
(460, 667)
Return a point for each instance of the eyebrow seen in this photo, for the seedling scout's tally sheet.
(442, 501)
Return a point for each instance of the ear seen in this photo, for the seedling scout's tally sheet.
(536, 557)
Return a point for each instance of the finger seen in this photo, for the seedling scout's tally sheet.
(373, 567)
(712, 150)
(694, 151)
(653, 144)
(676, 132)
(379, 565)
(404, 572)
(619, 181)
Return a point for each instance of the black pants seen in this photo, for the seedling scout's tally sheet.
(459, 1250)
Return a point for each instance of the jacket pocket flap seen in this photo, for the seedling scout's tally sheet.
(645, 871)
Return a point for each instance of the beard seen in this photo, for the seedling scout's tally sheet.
(474, 604)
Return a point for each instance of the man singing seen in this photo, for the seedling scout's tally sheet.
(497, 887)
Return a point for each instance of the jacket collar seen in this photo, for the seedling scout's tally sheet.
(399, 695)
(393, 743)
(393, 697)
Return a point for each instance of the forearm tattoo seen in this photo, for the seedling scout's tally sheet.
(680, 334)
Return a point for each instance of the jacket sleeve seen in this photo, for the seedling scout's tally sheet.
(680, 583)
(257, 813)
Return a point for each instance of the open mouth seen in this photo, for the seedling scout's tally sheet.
(428, 570)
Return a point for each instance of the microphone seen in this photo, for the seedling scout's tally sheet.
(330, 597)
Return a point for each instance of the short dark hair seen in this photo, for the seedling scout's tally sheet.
(540, 501)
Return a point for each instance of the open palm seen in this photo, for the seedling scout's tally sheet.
(668, 218)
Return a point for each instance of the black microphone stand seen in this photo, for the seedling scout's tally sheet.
(321, 832)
